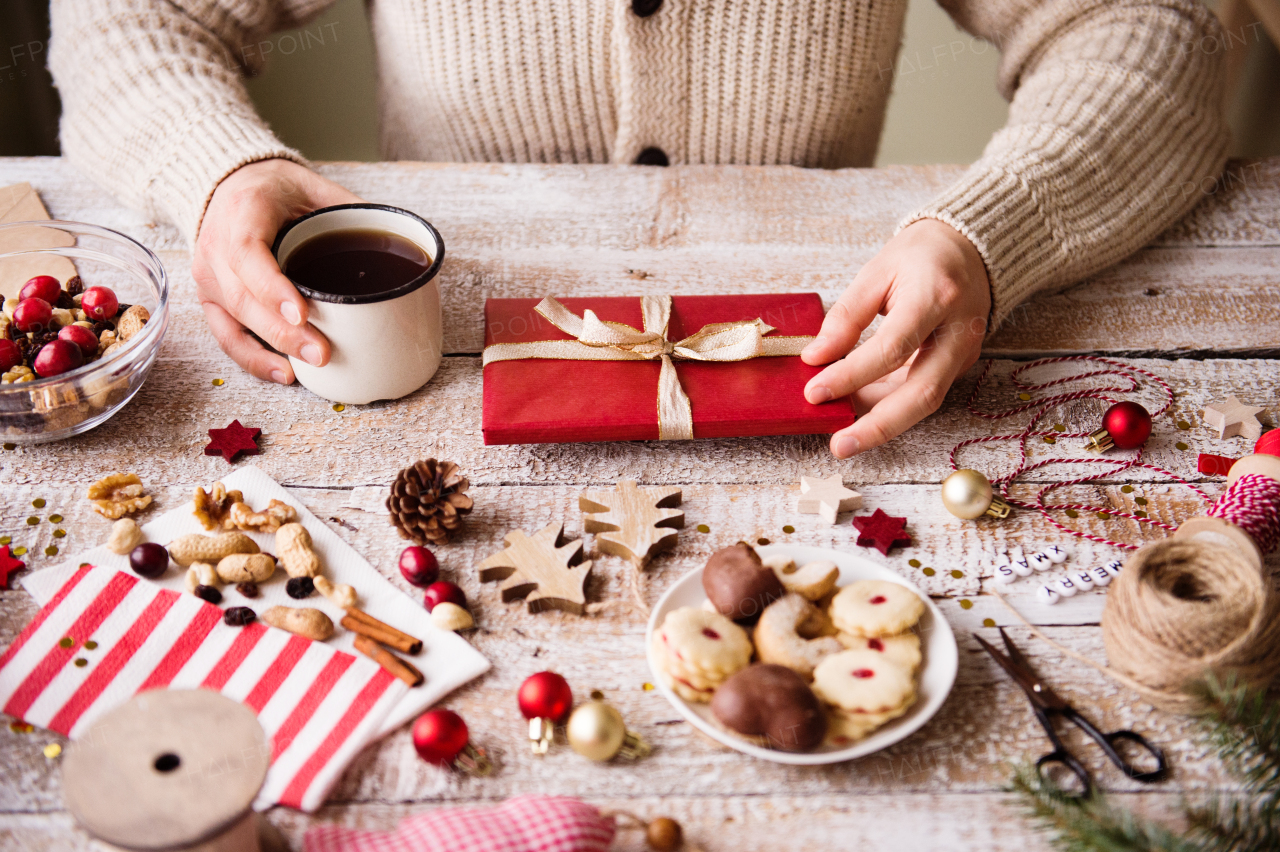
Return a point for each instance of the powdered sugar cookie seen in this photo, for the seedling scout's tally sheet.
(705, 643)
(875, 608)
(903, 649)
(810, 581)
(781, 635)
(863, 682)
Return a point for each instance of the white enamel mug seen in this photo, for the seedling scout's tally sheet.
(384, 345)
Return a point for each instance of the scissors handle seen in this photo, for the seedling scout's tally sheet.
(1062, 757)
(1107, 743)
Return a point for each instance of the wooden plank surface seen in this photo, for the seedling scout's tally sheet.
(1207, 288)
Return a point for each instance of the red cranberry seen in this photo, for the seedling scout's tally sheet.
(10, 355)
(419, 566)
(443, 591)
(82, 337)
(32, 315)
(41, 287)
(99, 303)
(57, 357)
(149, 560)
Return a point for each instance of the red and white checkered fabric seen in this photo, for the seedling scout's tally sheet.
(522, 824)
(319, 706)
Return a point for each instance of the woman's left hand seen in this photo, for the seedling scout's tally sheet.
(931, 285)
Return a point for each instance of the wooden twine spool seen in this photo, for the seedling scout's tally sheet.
(172, 770)
(1201, 602)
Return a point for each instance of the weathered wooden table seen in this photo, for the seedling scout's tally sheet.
(1200, 307)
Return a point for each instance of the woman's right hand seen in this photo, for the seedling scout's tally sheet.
(238, 282)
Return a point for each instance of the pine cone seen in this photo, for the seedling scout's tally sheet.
(428, 500)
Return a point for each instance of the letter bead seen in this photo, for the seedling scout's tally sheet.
(1020, 565)
(1100, 576)
(1057, 554)
(1113, 567)
(1005, 575)
(1065, 587)
(1047, 595)
(1040, 561)
(1083, 580)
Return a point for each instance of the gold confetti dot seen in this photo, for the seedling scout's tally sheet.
(1058, 427)
(1141, 501)
(966, 604)
(1024, 396)
(1049, 439)
(703, 528)
(11, 446)
(4, 539)
(914, 563)
(1140, 514)
(21, 727)
(1184, 425)
(648, 687)
(19, 551)
(55, 519)
(956, 573)
(59, 533)
(1180, 445)
(81, 662)
(52, 750)
(1072, 513)
(38, 502)
(217, 383)
(988, 622)
(762, 541)
(1102, 516)
(1126, 489)
(929, 572)
(91, 645)
(337, 406)
(32, 521)
(788, 529)
(51, 550)
(66, 642)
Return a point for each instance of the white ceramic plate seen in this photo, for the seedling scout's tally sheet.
(936, 676)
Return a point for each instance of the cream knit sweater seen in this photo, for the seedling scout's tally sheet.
(1116, 105)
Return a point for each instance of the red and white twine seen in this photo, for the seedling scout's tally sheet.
(1251, 503)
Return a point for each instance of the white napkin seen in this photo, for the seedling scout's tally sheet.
(447, 661)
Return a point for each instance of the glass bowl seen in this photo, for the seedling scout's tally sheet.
(76, 401)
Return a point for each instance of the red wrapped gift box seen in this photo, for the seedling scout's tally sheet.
(542, 400)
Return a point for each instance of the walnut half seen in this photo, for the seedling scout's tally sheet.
(118, 494)
(213, 507)
(270, 519)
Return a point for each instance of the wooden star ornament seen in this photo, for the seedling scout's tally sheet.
(545, 569)
(631, 522)
(826, 497)
(881, 531)
(1232, 417)
(8, 564)
(233, 441)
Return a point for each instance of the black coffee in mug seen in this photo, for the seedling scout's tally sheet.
(356, 262)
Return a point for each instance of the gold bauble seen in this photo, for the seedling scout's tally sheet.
(966, 494)
(596, 730)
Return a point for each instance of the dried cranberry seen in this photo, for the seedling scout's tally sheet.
(74, 286)
(248, 589)
(239, 616)
(65, 301)
(209, 593)
(300, 587)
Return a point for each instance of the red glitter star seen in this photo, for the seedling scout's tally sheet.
(8, 565)
(232, 441)
(881, 531)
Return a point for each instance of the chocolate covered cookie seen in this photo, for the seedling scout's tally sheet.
(738, 584)
(772, 703)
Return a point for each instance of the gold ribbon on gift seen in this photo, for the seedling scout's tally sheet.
(599, 340)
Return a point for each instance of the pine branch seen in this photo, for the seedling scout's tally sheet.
(1091, 824)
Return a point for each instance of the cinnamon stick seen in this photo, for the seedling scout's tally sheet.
(358, 621)
(388, 661)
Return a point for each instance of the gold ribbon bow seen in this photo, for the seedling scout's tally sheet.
(599, 340)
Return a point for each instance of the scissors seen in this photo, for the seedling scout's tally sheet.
(1046, 703)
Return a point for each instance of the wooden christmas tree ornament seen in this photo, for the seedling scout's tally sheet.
(826, 497)
(634, 523)
(545, 569)
(1232, 417)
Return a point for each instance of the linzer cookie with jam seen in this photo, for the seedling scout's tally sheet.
(697, 650)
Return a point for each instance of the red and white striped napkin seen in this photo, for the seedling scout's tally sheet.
(319, 706)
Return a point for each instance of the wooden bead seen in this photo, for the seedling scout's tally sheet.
(1020, 565)
(1065, 586)
(1047, 595)
(1101, 577)
(664, 835)
(1056, 554)
(1083, 580)
(1040, 561)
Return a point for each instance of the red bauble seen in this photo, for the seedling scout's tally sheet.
(41, 287)
(419, 566)
(545, 695)
(439, 736)
(1128, 424)
(441, 591)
